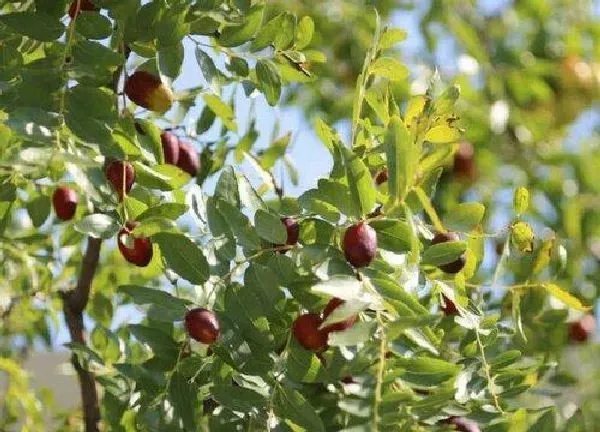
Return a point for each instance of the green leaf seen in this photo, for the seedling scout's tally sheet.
(275, 151)
(170, 60)
(35, 25)
(183, 256)
(38, 209)
(164, 177)
(97, 225)
(238, 66)
(360, 332)
(213, 76)
(504, 359)
(568, 299)
(402, 158)
(227, 187)
(279, 32)
(378, 99)
(464, 217)
(236, 35)
(8, 192)
(303, 365)
(390, 68)
(427, 371)
(445, 103)
(245, 144)
(238, 398)
(304, 32)
(221, 110)
(206, 120)
(290, 405)
(393, 235)
(443, 253)
(95, 54)
(162, 343)
(390, 37)
(269, 227)
(93, 25)
(183, 398)
(268, 80)
(442, 134)
(168, 211)
(360, 182)
(168, 308)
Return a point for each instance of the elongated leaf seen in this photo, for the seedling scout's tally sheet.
(290, 405)
(360, 182)
(464, 217)
(443, 253)
(401, 158)
(270, 227)
(98, 226)
(183, 256)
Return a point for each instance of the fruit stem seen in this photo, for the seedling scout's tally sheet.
(487, 368)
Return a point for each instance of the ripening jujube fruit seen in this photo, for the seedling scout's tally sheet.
(582, 329)
(64, 201)
(381, 177)
(84, 5)
(464, 162)
(307, 333)
(170, 145)
(148, 91)
(360, 244)
(462, 424)
(188, 159)
(136, 250)
(333, 304)
(202, 325)
(121, 174)
(292, 229)
(454, 266)
(448, 306)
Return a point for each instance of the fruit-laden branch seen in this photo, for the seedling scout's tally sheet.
(74, 303)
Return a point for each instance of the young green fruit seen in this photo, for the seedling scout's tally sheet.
(462, 424)
(121, 175)
(188, 159)
(581, 330)
(333, 304)
(148, 91)
(84, 5)
(306, 331)
(170, 145)
(64, 201)
(382, 177)
(360, 244)
(136, 250)
(202, 325)
(455, 266)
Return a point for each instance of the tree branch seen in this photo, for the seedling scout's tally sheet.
(74, 303)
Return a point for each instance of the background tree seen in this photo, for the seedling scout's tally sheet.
(441, 276)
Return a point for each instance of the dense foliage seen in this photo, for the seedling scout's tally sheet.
(443, 276)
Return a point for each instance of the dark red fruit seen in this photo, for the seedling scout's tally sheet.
(170, 145)
(307, 333)
(462, 424)
(581, 331)
(448, 306)
(464, 162)
(64, 201)
(360, 244)
(333, 304)
(382, 177)
(293, 230)
(348, 379)
(84, 5)
(136, 250)
(121, 175)
(202, 325)
(454, 266)
(188, 159)
(148, 91)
